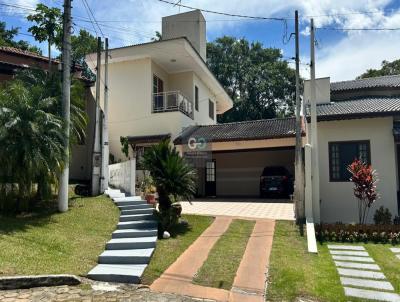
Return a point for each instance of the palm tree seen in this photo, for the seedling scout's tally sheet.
(173, 177)
(32, 139)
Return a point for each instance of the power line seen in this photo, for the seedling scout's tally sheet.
(223, 13)
(94, 19)
(357, 29)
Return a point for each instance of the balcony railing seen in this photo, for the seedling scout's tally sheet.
(172, 101)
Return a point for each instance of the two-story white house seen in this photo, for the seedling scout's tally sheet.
(157, 89)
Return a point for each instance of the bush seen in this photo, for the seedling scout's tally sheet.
(383, 216)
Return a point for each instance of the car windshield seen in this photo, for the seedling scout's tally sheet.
(274, 171)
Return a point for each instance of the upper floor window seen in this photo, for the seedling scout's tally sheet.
(342, 154)
(196, 98)
(211, 109)
(158, 96)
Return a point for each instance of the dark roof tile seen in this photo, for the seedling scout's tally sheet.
(248, 130)
(358, 108)
(392, 81)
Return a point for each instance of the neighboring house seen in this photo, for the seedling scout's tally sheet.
(14, 59)
(357, 119)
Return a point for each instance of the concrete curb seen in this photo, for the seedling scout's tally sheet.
(19, 282)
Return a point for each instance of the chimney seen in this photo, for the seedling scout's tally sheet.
(323, 89)
(191, 25)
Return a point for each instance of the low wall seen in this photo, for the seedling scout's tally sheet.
(123, 175)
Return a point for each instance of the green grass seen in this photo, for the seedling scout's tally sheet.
(167, 251)
(296, 273)
(219, 270)
(47, 242)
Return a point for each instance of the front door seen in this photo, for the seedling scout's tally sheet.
(211, 184)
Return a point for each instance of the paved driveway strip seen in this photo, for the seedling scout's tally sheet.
(245, 209)
(249, 283)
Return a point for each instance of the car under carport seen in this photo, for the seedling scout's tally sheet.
(230, 157)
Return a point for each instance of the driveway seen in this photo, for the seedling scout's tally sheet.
(278, 209)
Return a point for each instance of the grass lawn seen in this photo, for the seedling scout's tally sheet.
(219, 270)
(167, 251)
(295, 273)
(47, 242)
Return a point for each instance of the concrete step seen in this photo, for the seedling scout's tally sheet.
(140, 224)
(116, 194)
(134, 233)
(136, 217)
(136, 206)
(133, 256)
(137, 211)
(108, 191)
(130, 203)
(124, 273)
(131, 243)
(128, 198)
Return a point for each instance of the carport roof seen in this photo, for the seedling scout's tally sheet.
(240, 131)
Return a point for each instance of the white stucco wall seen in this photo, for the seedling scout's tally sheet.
(130, 99)
(202, 116)
(238, 173)
(337, 200)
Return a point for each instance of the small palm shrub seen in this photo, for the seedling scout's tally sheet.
(173, 177)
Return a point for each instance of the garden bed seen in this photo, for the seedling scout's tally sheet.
(389, 233)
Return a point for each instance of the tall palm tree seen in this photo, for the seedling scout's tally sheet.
(31, 138)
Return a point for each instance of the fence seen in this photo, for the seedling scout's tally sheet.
(123, 175)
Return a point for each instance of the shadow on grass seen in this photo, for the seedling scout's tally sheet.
(40, 215)
(180, 229)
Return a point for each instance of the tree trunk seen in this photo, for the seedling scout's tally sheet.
(49, 49)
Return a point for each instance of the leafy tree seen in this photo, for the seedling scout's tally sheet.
(31, 132)
(260, 83)
(173, 177)
(388, 68)
(48, 26)
(157, 36)
(32, 141)
(7, 37)
(81, 45)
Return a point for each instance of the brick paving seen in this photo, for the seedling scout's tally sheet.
(99, 292)
(276, 209)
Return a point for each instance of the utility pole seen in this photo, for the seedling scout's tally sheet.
(96, 160)
(299, 179)
(106, 151)
(66, 95)
(314, 133)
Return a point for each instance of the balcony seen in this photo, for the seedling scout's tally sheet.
(172, 101)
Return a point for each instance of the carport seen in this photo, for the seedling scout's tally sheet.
(230, 157)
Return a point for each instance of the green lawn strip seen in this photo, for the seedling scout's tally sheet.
(219, 270)
(296, 273)
(47, 242)
(167, 251)
(387, 261)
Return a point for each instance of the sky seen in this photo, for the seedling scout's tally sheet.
(340, 54)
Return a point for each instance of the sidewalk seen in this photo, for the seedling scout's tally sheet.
(249, 283)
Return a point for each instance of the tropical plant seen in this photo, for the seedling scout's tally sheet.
(364, 180)
(48, 26)
(124, 145)
(31, 136)
(42, 84)
(31, 130)
(173, 177)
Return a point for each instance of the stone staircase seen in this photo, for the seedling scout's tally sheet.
(129, 251)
